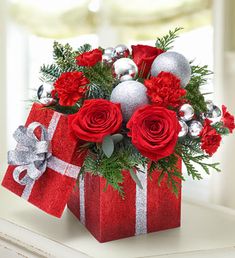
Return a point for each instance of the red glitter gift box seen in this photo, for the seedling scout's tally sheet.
(109, 217)
(51, 190)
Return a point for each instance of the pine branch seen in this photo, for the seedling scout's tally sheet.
(166, 41)
(198, 78)
(169, 167)
(82, 49)
(50, 73)
(64, 57)
(191, 154)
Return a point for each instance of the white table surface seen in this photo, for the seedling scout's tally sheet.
(205, 231)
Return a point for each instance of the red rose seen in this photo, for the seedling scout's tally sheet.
(144, 56)
(228, 119)
(70, 87)
(96, 119)
(210, 139)
(154, 131)
(165, 90)
(89, 58)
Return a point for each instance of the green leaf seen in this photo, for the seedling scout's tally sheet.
(135, 178)
(108, 146)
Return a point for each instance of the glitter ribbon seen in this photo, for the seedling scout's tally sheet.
(141, 205)
(33, 155)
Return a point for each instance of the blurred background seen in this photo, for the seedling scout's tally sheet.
(29, 27)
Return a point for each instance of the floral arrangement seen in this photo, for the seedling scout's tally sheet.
(133, 110)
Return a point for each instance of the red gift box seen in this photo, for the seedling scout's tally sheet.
(108, 217)
(49, 192)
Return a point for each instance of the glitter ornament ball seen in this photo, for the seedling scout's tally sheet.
(121, 51)
(195, 128)
(125, 69)
(186, 112)
(131, 95)
(174, 63)
(44, 94)
(184, 129)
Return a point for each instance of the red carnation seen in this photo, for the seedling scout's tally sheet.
(165, 90)
(70, 87)
(228, 119)
(96, 119)
(154, 131)
(144, 56)
(89, 58)
(210, 139)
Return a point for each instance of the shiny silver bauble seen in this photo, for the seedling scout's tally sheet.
(174, 63)
(44, 94)
(121, 51)
(107, 59)
(195, 128)
(109, 51)
(131, 95)
(186, 112)
(214, 114)
(184, 129)
(125, 69)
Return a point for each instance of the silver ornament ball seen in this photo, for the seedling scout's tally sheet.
(174, 63)
(109, 51)
(184, 129)
(214, 114)
(186, 112)
(209, 105)
(125, 69)
(121, 51)
(195, 128)
(44, 94)
(107, 59)
(131, 95)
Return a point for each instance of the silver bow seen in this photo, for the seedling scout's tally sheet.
(31, 153)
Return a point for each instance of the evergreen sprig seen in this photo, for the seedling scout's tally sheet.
(50, 73)
(191, 153)
(65, 57)
(165, 42)
(168, 167)
(125, 157)
(199, 77)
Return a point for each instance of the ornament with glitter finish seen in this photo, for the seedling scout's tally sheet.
(172, 62)
(44, 94)
(131, 95)
(125, 69)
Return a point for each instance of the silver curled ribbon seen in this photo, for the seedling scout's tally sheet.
(31, 154)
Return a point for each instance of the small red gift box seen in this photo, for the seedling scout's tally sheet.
(49, 178)
(108, 217)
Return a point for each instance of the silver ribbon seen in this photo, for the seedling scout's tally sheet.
(141, 205)
(32, 155)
